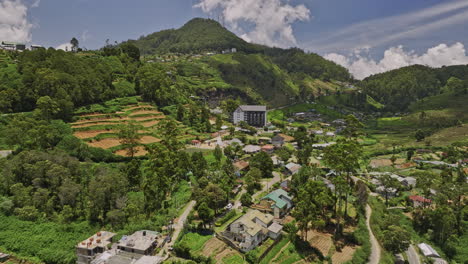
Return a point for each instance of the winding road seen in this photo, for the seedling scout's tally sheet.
(375, 247)
(413, 257)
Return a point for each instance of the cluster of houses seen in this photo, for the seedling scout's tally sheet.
(137, 248)
(13, 46)
(264, 220)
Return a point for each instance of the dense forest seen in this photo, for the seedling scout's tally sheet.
(399, 88)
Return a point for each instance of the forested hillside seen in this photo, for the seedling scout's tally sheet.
(399, 88)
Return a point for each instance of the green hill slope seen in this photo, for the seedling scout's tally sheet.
(195, 36)
(398, 89)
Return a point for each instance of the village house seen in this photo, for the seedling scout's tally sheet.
(254, 115)
(293, 168)
(430, 252)
(251, 149)
(88, 249)
(268, 149)
(277, 141)
(419, 201)
(141, 242)
(277, 162)
(278, 203)
(252, 229)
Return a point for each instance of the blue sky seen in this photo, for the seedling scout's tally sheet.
(346, 31)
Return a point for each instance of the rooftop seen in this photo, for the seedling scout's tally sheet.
(275, 228)
(419, 199)
(427, 250)
(248, 108)
(248, 220)
(100, 239)
(276, 197)
(140, 240)
(251, 148)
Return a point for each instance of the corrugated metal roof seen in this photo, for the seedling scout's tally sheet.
(252, 108)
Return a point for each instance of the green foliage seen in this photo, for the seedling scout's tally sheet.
(197, 35)
(48, 241)
(399, 88)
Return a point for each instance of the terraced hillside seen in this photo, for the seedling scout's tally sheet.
(100, 128)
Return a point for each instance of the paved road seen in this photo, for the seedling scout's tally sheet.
(375, 247)
(276, 178)
(179, 226)
(413, 256)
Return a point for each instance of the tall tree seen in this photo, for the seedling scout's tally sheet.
(129, 137)
(74, 44)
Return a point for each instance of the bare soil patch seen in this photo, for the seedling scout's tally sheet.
(321, 241)
(105, 143)
(91, 133)
(93, 124)
(345, 255)
(141, 151)
(213, 246)
(149, 140)
(377, 163)
(143, 112)
(150, 123)
(142, 118)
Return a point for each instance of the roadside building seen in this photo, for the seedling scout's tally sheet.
(254, 115)
(88, 249)
(141, 242)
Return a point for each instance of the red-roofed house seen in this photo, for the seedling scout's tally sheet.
(268, 149)
(419, 201)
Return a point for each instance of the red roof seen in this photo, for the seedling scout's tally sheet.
(268, 147)
(241, 164)
(419, 199)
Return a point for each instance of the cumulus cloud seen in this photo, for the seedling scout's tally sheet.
(261, 21)
(14, 24)
(64, 46)
(362, 66)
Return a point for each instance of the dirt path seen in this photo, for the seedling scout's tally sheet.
(375, 247)
(179, 226)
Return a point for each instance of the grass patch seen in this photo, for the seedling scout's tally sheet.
(233, 259)
(195, 241)
(274, 251)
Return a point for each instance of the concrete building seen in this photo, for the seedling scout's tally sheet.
(254, 115)
(141, 242)
(252, 229)
(12, 46)
(87, 250)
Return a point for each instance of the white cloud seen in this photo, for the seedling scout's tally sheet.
(387, 30)
(14, 24)
(261, 21)
(85, 35)
(362, 66)
(65, 46)
(36, 3)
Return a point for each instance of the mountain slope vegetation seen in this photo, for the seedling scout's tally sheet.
(399, 88)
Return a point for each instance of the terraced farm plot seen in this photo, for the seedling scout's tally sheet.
(345, 255)
(100, 130)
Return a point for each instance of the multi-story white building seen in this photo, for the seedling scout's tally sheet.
(254, 115)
